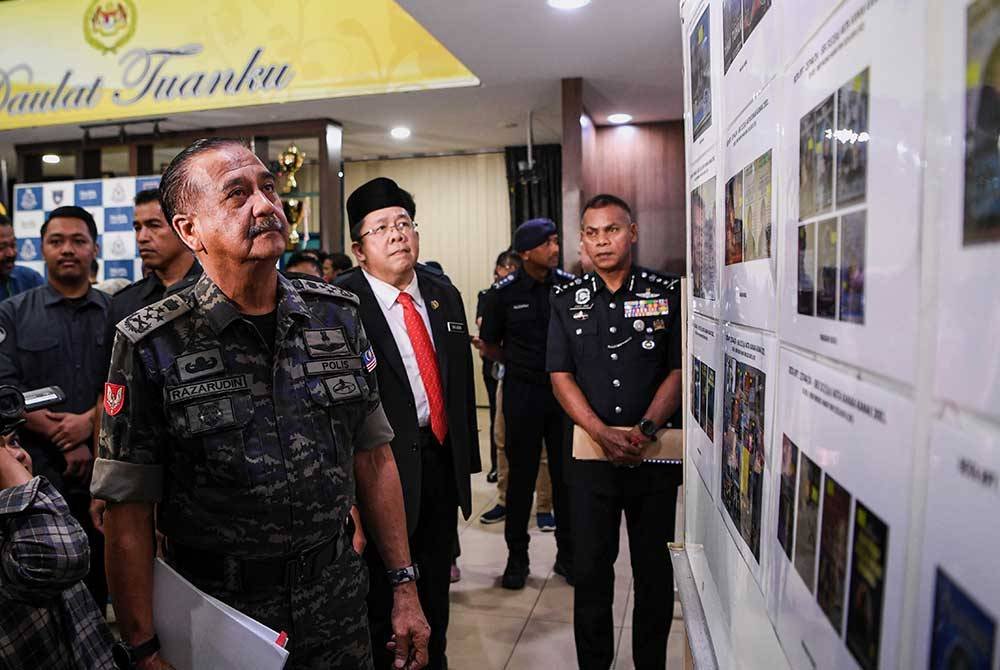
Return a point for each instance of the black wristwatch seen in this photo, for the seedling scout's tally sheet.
(126, 657)
(648, 428)
(410, 573)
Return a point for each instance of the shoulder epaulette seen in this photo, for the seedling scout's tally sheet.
(322, 288)
(567, 276)
(141, 323)
(507, 281)
(559, 289)
(431, 269)
(669, 282)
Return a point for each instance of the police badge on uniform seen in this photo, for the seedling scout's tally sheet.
(582, 296)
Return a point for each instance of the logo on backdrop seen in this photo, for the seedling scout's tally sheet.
(109, 24)
(57, 197)
(28, 199)
(28, 251)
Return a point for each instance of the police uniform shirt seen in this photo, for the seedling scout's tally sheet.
(247, 452)
(141, 294)
(516, 316)
(47, 339)
(619, 346)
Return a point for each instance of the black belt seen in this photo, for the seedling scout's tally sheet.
(260, 574)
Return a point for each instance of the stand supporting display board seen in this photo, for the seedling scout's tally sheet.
(842, 368)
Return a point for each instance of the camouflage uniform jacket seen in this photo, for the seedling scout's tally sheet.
(247, 452)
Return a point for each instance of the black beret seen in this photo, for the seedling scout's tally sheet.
(376, 194)
(533, 233)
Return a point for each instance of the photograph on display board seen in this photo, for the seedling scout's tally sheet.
(708, 415)
(704, 273)
(867, 590)
(748, 212)
(833, 551)
(786, 495)
(734, 219)
(852, 140)
(739, 18)
(852, 266)
(743, 449)
(826, 269)
(701, 76)
(807, 521)
(982, 123)
(816, 160)
(807, 270)
(696, 389)
(963, 634)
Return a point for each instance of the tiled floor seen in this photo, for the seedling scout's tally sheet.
(493, 629)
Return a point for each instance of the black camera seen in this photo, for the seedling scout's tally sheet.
(14, 404)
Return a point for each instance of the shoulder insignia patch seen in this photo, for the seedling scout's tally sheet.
(144, 321)
(507, 281)
(565, 276)
(322, 288)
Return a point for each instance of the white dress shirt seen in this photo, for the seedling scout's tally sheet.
(386, 295)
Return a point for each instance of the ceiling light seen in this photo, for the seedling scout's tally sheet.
(51, 159)
(584, 121)
(400, 132)
(568, 4)
(619, 118)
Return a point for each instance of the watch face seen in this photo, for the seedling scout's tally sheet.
(121, 656)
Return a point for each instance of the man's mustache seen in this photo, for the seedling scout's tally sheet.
(268, 225)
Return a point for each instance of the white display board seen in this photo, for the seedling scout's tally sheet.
(964, 171)
(749, 364)
(749, 277)
(704, 418)
(959, 587)
(851, 147)
(110, 201)
(841, 516)
(751, 51)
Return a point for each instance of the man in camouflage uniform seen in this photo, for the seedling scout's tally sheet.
(246, 407)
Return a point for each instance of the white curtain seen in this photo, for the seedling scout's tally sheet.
(463, 216)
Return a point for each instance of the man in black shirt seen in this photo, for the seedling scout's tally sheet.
(513, 331)
(614, 354)
(172, 267)
(54, 335)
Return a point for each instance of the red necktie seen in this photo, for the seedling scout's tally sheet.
(426, 363)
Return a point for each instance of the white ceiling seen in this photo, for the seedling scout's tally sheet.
(627, 51)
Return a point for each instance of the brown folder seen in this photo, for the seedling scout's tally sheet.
(668, 447)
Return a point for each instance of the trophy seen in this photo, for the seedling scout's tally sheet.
(293, 212)
(291, 160)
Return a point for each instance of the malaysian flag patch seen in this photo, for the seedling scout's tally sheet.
(368, 357)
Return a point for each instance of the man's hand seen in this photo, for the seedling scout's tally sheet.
(153, 662)
(97, 507)
(44, 422)
(78, 462)
(73, 429)
(410, 632)
(618, 446)
(359, 541)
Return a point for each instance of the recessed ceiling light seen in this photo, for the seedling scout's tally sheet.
(51, 159)
(584, 121)
(400, 132)
(568, 4)
(619, 118)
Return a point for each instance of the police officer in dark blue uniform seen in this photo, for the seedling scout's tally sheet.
(614, 354)
(514, 330)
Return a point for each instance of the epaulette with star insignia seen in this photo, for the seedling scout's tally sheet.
(144, 321)
(322, 288)
(559, 289)
(508, 280)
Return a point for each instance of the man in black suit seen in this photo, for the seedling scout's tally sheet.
(415, 320)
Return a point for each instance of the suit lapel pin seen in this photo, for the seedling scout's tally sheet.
(435, 304)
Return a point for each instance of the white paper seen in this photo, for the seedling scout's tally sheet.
(968, 302)
(704, 417)
(853, 132)
(199, 632)
(749, 186)
(749, 384)
(959, 590)
(848, 441)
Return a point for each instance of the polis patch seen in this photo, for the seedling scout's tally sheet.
(333, 366)
(176, 394)
(642, 308)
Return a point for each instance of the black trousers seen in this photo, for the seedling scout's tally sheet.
(649, 518)
(491, 393)
(532, 417)
(432, 547)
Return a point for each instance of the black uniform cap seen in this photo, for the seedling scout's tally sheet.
(376, 194)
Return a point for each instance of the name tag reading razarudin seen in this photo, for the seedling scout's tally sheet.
(208, 387)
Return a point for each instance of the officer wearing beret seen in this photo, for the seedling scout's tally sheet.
(614, 354)
(246, 409)
(513, 332)
(416, 323)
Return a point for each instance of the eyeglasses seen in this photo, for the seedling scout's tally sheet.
(379, 231)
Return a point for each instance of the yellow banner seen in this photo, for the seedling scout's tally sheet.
(77, 61)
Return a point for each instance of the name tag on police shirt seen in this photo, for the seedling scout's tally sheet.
(640, 308)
